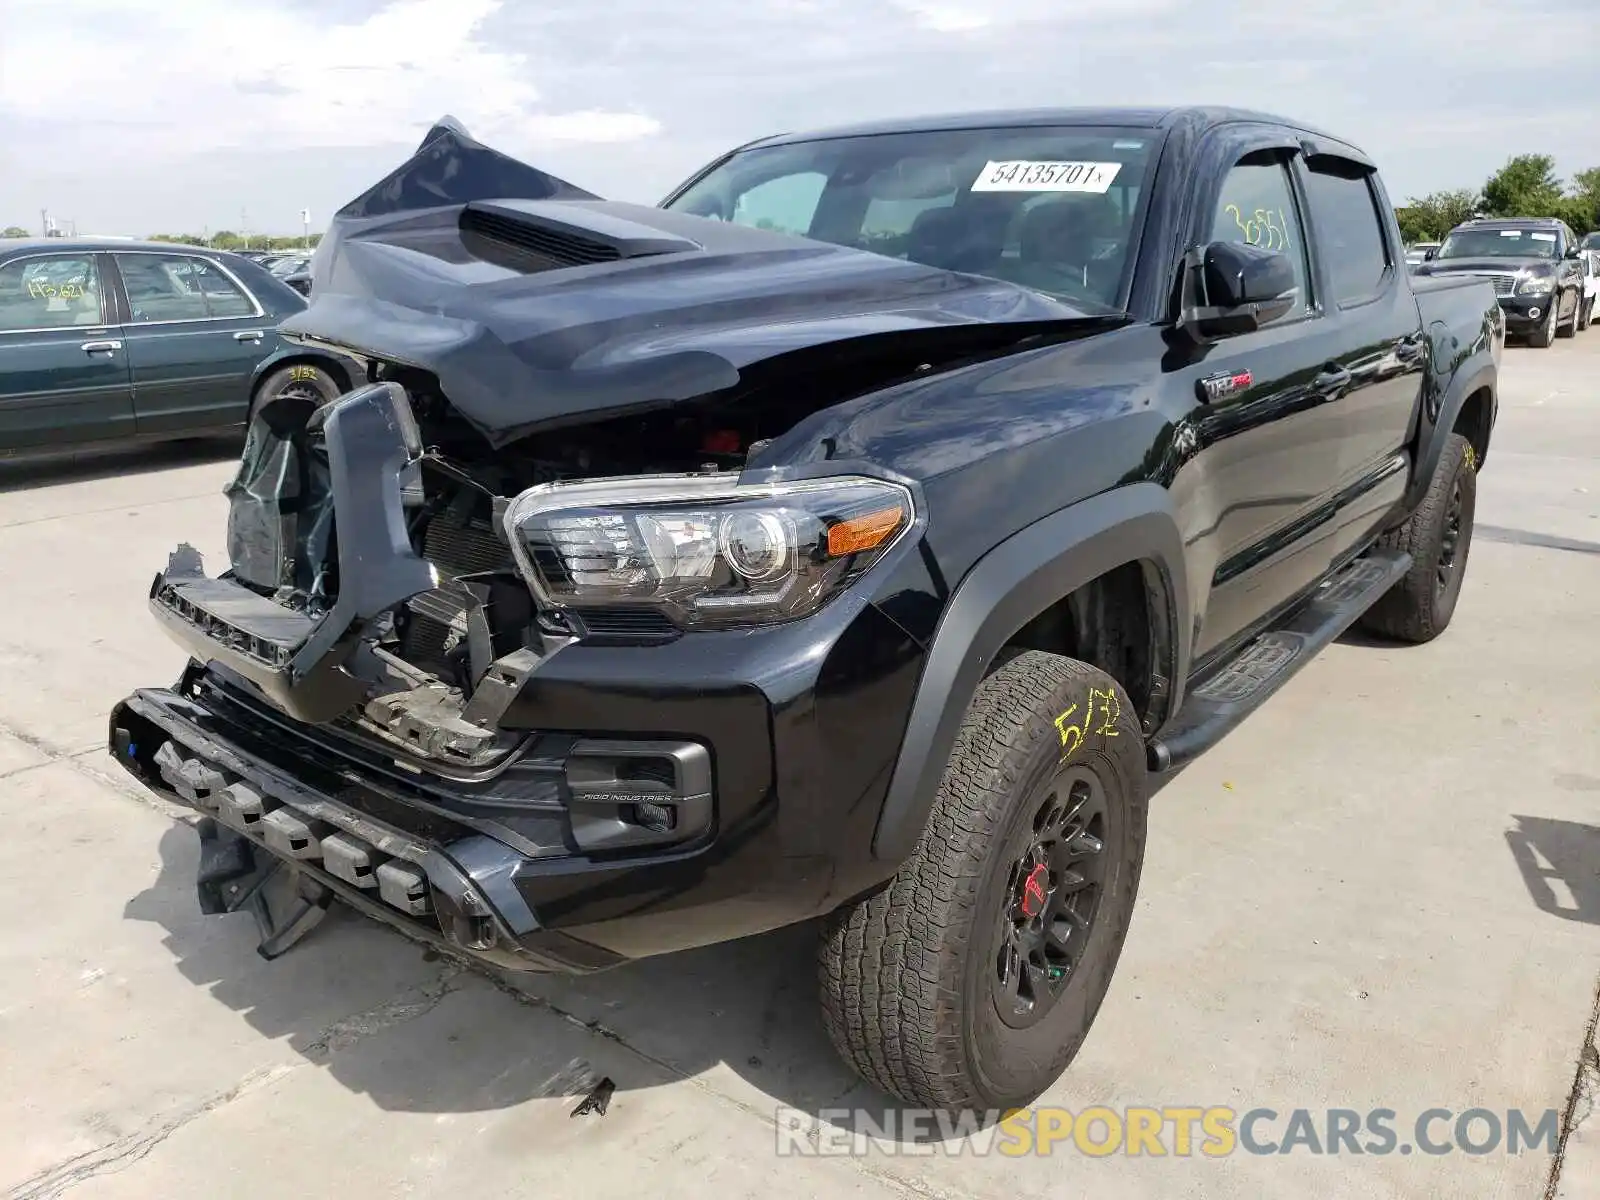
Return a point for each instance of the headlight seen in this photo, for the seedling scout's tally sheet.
(701, 549)
(1537, 285)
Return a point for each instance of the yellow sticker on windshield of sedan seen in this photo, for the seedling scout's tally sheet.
(1026, 175)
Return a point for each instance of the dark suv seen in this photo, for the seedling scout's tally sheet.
(1535, 266)
(856, 535)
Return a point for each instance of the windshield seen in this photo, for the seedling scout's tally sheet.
(1499, 243)
(1050, 209)
(1591, 241)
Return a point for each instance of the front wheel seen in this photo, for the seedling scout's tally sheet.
(1542, 337)
(971, 979)
(1586, 306)
(1570, 329)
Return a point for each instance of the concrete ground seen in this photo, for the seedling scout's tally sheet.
(1382, 892)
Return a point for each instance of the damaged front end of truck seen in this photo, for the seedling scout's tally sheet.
(583, 424)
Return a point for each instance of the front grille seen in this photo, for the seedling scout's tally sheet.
(1504, 285)
(524, 246)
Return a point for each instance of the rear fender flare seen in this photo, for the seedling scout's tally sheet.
(1014, 582)
(1464, 384)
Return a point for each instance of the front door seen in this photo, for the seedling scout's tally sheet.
(1268, 425)
(63, 365)
(194, 338)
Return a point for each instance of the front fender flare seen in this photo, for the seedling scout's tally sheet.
(1014, 582)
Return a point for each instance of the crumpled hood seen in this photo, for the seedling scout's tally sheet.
(535, 303)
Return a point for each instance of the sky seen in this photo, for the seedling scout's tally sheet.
(145, 116)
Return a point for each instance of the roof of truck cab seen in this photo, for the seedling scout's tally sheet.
(1116, 118)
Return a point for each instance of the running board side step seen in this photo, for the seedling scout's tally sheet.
(1223, 698)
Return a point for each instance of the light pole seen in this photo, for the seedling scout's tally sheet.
(305, 226)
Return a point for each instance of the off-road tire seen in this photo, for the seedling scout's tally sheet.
(906, 975)
(1570, 329)
(1417, 609)
(1541, 337)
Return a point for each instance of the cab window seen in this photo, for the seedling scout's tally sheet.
(50, 293)
(1257, 207)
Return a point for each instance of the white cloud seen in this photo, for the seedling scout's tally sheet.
(150, 114)
(196, 75)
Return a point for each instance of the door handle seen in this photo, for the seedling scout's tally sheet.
(108, 347)
(1332, 381)
(249, 335)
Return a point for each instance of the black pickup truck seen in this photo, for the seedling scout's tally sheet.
(857, 535)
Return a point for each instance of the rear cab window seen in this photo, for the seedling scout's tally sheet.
(1349, 231)
(1054, 209)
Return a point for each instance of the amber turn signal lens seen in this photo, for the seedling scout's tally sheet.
(864, 533)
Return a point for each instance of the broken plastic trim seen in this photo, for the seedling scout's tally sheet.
(295, 659)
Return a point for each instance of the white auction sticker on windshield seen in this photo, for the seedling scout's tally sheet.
(1026, 175)
(1543, 237)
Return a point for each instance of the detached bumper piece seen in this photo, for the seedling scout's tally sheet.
(274, 847)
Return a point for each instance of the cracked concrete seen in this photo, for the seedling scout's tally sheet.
(1575, 1173)
(125, 1151)
(1382, 891)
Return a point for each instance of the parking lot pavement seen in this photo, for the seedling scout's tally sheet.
(1382, 892)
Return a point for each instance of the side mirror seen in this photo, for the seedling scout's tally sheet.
(1233, 287)
(1573, 252)
(1430, 254)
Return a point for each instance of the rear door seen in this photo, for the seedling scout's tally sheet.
(1368, 295)
(1260, 487)
(194, 336)
(63, 366)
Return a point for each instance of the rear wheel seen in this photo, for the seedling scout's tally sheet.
(1438, 536)
(1585, 311)
(971, 980)
(302, 380)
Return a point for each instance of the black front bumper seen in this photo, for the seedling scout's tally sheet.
(458, 889)
(1520, 310)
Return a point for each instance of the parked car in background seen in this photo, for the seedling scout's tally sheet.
(1591, 289)
(1420, 252)
(1590, 241)
(104, 342)
(300, 281)
(1535, 266)
(290, 264)
(259, 257)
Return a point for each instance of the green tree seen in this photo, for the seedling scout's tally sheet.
(1525, 187)
(1586, 200)
(1429, 218)
(13, 231)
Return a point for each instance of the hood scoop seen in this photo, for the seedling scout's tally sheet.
(532, 235)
